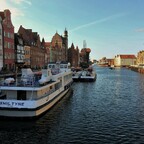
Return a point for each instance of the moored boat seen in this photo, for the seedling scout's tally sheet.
(88, 76)
(112, 67)
(76, 76)
(76, 73)
(30, 97)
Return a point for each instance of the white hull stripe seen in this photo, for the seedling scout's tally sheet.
(33, 109)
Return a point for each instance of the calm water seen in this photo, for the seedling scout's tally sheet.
(110, 110)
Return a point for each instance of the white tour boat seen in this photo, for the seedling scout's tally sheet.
(29, 97)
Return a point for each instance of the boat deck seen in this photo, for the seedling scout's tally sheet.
(27, 83)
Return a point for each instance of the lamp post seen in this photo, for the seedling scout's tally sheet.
(16, 73)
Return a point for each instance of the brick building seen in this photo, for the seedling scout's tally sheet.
(110, 62)
(19, 50)
(73, 56)
(59, 47)
(37, 50)
(27, 56)
(1, 44)
(8, 31)
(47, 53)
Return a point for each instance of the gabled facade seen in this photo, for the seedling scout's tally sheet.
(19, 50)
(47, 53)
(124, 60)
(37, 53)
(73, 56)
(37, 50)
(27, 56)
(1, 44)
(8, 50)
(59, 47)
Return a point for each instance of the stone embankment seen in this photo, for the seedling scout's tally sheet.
(139, 69)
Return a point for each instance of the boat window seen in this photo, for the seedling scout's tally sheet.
(2, 95)
(61, 66)
(21, 95)
(65, 66)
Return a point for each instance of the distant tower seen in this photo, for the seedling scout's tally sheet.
(84, 44)
(66, 43)
(65, 33)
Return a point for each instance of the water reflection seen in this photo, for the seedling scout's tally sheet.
(110, 110)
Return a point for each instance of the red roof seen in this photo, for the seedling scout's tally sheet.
(127, 56)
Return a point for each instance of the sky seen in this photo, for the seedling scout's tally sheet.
(109, 27)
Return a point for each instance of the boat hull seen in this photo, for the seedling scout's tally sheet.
(24, 113)
(87, 79)
(76, 79)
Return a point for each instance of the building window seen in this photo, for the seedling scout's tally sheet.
(8, 45)
(5, 34)
(6, 56)
(12, 36)
(12, 46)
(5, 44)
(0, 31)
(1, 52)
(8, 35)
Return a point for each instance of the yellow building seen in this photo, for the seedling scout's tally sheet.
(140, 57)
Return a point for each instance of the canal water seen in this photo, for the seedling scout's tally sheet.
(109, 110)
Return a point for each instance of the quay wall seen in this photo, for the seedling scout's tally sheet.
(137, 69)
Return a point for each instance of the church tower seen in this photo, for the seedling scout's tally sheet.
(65, 33)
(66, 43)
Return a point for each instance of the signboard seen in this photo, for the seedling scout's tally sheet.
(17, 104)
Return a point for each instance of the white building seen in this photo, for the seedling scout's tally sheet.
(1, 44)
(124, 60)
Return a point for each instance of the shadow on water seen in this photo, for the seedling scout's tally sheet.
(13, 125)
(39, 131)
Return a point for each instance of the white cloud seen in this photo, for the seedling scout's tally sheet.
(3, 5)
(98, 21)
(10, 4)
(21, 1)
(140, 30)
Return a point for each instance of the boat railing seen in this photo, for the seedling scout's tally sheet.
(21, 81)
(28, 81)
